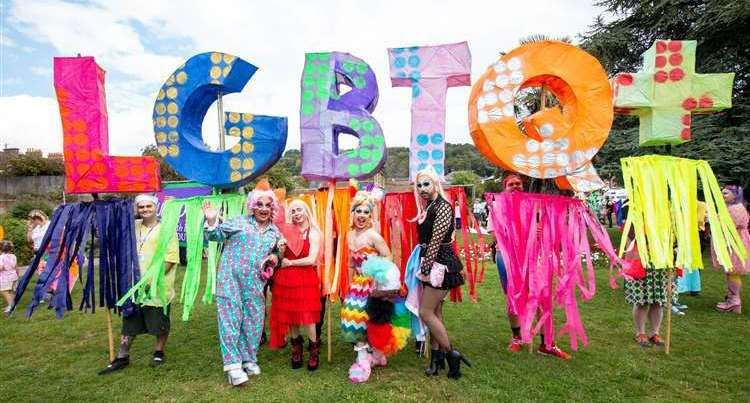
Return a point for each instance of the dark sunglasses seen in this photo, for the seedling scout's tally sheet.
(423, 185)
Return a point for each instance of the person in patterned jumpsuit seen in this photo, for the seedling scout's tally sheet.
(252, 245)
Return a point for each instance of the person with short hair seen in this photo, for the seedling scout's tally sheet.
(152, 317)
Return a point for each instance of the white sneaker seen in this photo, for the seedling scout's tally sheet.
(251, 368)
(236, 377)
(7, 309)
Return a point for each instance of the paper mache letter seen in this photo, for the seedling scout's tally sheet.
(178, 115)
(553, 143)
(667, 91)
(79, 85)
(429, 71)
(326, 114)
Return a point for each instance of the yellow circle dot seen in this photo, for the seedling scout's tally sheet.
(171, 92)
(236, 148)
(228, 58)
(162, 151)
(160, 109)
(234, 117)
(170, 80)
(161, 121)
(172, 108)
(226, 70)
(235, 176)
(234, 163)
(161, 137)
(248, 164)
(248, 147)
(173, 121)
(181, 77)
(161, 94)
(174, 150)
(215, 57)
(234, 131)
(173, 136)
(248, 132)
(215, 72)
(247, 117)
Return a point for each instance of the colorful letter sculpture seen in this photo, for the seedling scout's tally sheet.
(554, 143)
(429, 71)
(667, 91)
(79, 85)
(325, 114)
(178, 115)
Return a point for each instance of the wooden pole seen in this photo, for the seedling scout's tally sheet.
(670, 291)
(220, 110)
(330, 331)
(110, 336)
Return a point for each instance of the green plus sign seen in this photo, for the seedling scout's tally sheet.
(665, 92)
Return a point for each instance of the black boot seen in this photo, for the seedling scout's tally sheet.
(297, 352)
(314, 360)
(437, 362)
(454, 363)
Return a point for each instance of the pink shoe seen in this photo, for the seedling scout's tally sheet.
(378, 359)
(359, 372)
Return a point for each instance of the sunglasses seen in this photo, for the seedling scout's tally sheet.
(423, 185)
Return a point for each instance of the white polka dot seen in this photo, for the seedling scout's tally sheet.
(519, 160)
(578, 157)
(506, 95)
(496, 113)
(546, 130)
(534, 173)
(499, 67)
(533, 161)
(502, 80)
(482, 117)
(490, 98)
(563, 159)
(516, 77)
(514, 63)
(549, 158)
(546, 146)
(488, 86)
(508, 110)
(480, 102)
(532, 146)
(551, 173)
(562, 144)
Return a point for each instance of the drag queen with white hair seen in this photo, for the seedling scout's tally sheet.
(440, 270)
(252, 246)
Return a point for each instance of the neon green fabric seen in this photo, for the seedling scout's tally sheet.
(152, 281)
(663, 211)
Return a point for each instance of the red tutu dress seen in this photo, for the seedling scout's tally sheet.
(295, 298)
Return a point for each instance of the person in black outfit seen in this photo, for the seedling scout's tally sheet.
(435, 229)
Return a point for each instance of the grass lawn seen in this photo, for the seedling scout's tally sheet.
(44, 359)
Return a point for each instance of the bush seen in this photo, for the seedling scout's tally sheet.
(15, 231)
(21, 209)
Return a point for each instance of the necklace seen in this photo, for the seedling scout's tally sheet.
(141, 238)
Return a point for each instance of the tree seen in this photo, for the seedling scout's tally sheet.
(32, 164)
(722, 29)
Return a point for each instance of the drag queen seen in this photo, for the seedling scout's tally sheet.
(252, 245)
(373, 318)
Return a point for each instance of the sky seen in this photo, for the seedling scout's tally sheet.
(140, 43)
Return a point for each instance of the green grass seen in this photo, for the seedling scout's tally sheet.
(44, 359)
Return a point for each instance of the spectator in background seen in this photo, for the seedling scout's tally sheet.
(8, 273)
(36, 227)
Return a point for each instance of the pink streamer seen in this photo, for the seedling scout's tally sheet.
(544, 242)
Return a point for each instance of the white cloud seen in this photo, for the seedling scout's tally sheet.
(41, 70)
(275, 36)
(30, 122)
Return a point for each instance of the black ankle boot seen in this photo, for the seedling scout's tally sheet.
(437, 362)
(454, 363)
(297, 352)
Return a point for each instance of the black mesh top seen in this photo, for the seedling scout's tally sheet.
(436, 234)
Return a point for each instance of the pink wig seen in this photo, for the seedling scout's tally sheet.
(256, 195)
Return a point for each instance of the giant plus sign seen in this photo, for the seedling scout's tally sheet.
(667, 91)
